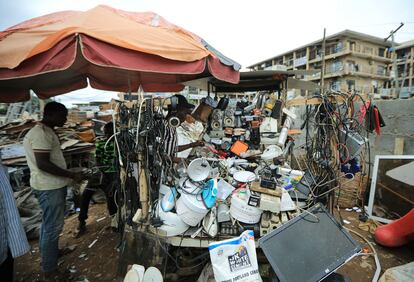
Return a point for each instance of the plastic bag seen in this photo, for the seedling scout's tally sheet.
(235, 259)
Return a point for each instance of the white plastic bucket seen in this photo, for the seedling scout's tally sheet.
(190, 209)
(188, 186)
(240, 210)
(172, 224)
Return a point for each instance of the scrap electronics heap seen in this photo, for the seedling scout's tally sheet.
(247, 176)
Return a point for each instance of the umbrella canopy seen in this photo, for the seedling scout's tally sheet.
(115, 50)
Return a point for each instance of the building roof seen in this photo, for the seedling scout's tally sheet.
(344, 33)
(405, 44)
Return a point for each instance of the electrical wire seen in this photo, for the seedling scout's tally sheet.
(326, 120)
(374, 253)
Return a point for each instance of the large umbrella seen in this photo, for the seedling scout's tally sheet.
(115, 50)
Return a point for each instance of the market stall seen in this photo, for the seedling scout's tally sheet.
(253, 174)
(251, 178)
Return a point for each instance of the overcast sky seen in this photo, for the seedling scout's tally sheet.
(246, 31)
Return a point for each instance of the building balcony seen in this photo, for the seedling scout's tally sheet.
(356, 50)
(370, 51)
(351, 71)
(402, 92)
(366, 72)
(403, 61)
(318, 58)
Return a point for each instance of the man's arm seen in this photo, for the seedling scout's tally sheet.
(43, 162)
(189, 146)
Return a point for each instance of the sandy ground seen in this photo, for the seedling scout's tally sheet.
(100, 261)
(363, 268)
(97, 263)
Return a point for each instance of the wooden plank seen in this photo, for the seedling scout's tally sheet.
(255, 186)
(399, 146)
(301, 101)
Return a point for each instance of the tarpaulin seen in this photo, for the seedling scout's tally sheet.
(113, 49)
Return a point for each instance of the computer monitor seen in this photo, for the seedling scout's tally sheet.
(308, 247)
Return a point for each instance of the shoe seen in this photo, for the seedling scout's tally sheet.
(81, 229)
(397, 233)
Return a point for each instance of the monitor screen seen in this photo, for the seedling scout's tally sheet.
(308, 247)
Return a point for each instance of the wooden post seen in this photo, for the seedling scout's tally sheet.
(399, 146)
(307, 68)
(323, 61)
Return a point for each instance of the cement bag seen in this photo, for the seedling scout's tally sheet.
(235, 259)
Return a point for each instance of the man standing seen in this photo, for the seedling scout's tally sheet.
(48, 179)
(105, 160)
(13, 241)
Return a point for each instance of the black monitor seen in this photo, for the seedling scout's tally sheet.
(308, 247)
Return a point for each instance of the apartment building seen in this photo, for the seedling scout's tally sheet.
(353, 61)
(404, 83)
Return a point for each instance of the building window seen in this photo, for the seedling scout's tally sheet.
(192, 90)
(351, 84)
(406, 83)
(300, 54)
(368, 50)
(352, 45)
(351, 66)
(336, 66)
(338, 47)
(375, 84)
(335, 85)
(381, 52)
(314, 53)
(402, 55)
(381, 70)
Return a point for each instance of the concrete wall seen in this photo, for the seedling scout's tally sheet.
(398, 116)
(399, 119)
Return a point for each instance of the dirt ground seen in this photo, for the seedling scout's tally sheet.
(99, 261)
(363, 268)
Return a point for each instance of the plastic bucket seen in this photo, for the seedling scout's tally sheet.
(173, 225)
(190, 209)
(241, 211)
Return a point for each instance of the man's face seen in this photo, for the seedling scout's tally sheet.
(189, 118)
(182, 114)
(60, 118)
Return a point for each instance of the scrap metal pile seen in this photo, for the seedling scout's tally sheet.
(246, 177)
(77, 145)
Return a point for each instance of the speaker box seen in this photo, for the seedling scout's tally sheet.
(217, 119)
(229, 118)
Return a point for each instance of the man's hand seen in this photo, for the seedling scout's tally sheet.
(78, 176)
(190, 146)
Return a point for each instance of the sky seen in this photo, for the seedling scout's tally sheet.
(246, 31)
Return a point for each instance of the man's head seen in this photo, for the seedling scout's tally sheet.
(55, 114)
(180, 107)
